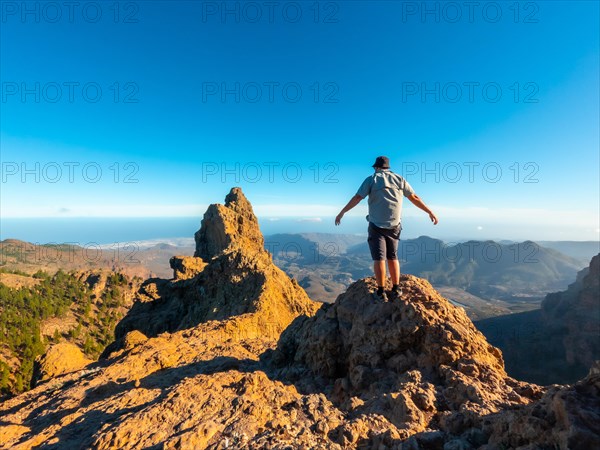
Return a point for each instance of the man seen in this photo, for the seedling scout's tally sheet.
(385, 190)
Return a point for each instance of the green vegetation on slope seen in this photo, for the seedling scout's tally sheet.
(23, 311)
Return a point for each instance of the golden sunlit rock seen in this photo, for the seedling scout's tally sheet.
(232, 354)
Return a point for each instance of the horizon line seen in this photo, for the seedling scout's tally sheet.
(457, 241)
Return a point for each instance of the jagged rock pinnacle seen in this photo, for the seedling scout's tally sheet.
(237, 201)
(229, 227)
(231, 276)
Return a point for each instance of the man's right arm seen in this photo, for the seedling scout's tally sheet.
(351, 204)
(416, 200)
(362, 192)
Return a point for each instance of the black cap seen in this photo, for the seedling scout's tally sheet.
(382, 162)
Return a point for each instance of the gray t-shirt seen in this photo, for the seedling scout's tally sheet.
(386, 190)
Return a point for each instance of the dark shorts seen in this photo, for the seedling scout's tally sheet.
(383, 242)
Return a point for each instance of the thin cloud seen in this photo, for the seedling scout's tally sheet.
(310, 219)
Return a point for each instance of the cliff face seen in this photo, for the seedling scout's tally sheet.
(575, 313)
(231, 353)
(558, 343)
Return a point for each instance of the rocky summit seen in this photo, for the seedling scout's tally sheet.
(232, 354)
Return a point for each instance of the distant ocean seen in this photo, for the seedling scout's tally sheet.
(82, 231)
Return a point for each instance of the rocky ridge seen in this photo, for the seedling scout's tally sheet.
(231, 353)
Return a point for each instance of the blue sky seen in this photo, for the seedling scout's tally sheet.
(491, 114)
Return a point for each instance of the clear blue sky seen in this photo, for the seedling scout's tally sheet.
(339, 85)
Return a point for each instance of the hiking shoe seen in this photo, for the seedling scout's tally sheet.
(380, 297)
(395, 294)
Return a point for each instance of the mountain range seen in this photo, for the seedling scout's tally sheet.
(487, 278)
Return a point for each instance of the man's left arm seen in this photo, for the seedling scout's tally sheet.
(416, 200)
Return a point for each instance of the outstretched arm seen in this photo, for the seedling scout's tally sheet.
(351, 204)
(416, 200)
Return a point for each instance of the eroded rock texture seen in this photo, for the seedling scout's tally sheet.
(232, 354)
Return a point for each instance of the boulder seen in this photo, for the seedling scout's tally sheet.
(185, 267)
(58, 360)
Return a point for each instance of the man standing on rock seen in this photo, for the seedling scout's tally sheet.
(385, 190)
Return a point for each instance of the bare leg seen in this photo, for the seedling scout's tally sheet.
(394, 268)
(379, 269)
